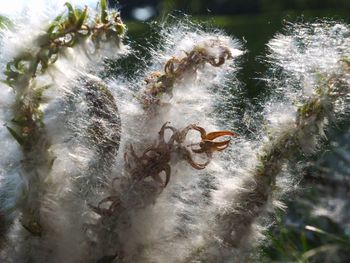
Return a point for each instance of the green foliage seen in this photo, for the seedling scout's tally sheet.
(104, 13)
(15, 135)
(4, 21)
(305, 243)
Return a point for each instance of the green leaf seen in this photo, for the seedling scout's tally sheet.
(104, 13)
(335, 237)
(34, 228)
(11, 74)
(304, 242)
(15, 135)
(72, 15)
(54, 25)
(120, 29)
(22, 121)
(58, 18)
(18, 64)
(82, 18)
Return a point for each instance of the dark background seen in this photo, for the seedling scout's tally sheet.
(228, 7)
(254, 22)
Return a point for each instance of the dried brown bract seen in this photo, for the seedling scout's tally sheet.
(175, 69)
(155, 160)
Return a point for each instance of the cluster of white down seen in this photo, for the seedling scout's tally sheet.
(61, 196)
(199, 216)
(215, 214)
(305, 57)
(173, 223)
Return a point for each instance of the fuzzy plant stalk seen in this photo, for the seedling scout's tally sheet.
(151, 163)
(76, 34)
(311, 69)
